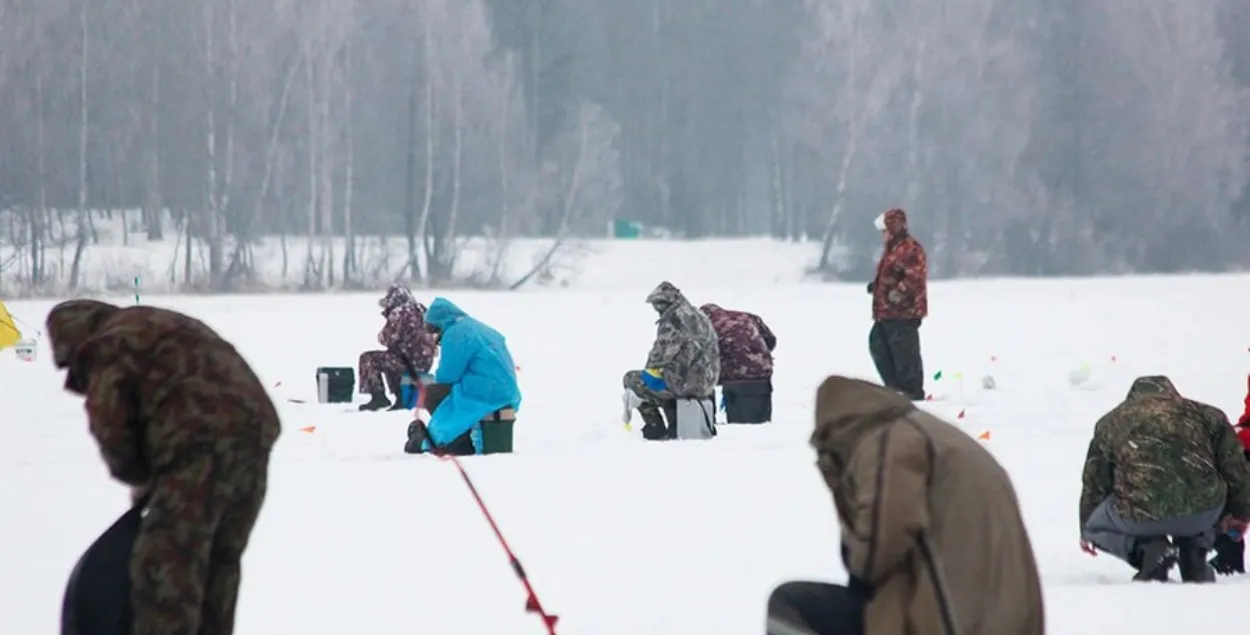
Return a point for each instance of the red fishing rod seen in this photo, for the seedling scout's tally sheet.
(532, 605)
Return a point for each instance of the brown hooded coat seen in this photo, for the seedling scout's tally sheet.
(929, 519)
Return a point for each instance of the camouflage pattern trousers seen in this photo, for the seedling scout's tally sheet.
(655, 407)
(376, 365)
(186, 565)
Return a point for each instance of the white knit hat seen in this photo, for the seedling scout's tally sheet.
(880, 222)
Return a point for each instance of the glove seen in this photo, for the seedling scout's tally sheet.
(652, 379)
(1234, 528)
(872, 286)
(1230, 555)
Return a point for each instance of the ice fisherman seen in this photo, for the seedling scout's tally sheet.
(181, 418)
(900, 303)
(746, 347)
(684, 363)
(409, 347)
(1160, 465)
(1230, 549)
(475, 378)
(932, 537)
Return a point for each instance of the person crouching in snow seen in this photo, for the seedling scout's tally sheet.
(475, 378)
(746, 363)
(932, 537)
(410, 348)
(1230, 548)
(684, 363)
(1161, 465)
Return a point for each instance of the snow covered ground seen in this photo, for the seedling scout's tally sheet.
(622, 537)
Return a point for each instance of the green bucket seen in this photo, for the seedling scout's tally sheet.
(497, 437)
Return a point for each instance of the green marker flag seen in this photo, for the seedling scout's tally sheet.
(136, 289)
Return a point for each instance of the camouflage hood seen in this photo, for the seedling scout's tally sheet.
(1153, 386)
(664, 297)
(397, 295)
(847, 409)
(70, 325)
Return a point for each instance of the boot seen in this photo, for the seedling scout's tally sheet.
(377, 401)
(1230, 555)
(1192, 559)
(398, 405)
(652, 423)
(1156, 556)
(670, 415)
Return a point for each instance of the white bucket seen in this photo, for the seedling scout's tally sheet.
(26, 350)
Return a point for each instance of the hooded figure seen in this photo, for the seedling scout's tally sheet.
(684, 362)
(475, 377)
(181, 418)
(932, 538)
(1161, 465)
(410, 348)
(900, 302)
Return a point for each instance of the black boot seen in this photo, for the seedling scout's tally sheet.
(670, 415)
(1155, 557)
(398, 405)
(1230, 555)
(377, 401)
(652, 423)
(1192, 559)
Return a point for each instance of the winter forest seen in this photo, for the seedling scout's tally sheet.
(1024, 137)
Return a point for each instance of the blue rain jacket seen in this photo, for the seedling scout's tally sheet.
(476, 362)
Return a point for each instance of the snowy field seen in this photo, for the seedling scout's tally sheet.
(622, 537)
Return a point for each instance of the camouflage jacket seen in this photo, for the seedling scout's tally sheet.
(685, 347)
(746, 344)
(1163, 456)
(900, 290)
(405, 334)
(160, 387)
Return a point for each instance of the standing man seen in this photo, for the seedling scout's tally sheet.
(900, 301)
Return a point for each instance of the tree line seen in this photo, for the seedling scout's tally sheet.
(1025, 137)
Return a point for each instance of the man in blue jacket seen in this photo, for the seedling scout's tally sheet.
(475, 378)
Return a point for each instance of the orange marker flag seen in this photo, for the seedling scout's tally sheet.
(308, 429)
(984, 436)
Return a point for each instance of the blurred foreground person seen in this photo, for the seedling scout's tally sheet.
(932, 538)
(180, 417)
(1161, 472)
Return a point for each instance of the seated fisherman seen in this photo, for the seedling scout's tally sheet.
(684, 363)
(746, 364)
(475, 378)
(410, 348)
